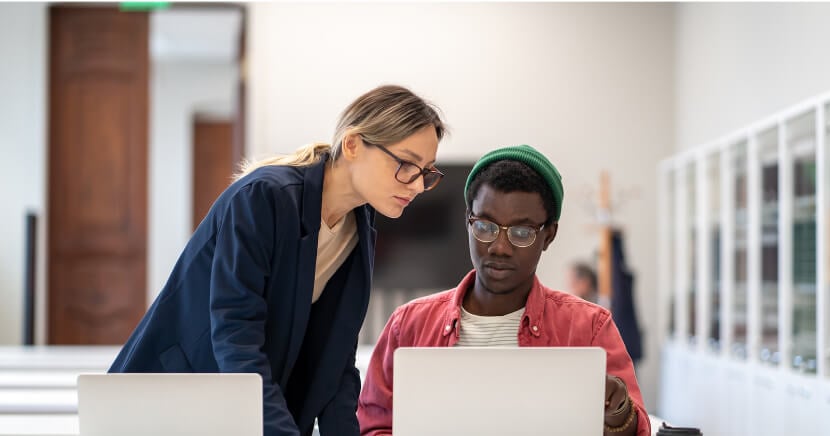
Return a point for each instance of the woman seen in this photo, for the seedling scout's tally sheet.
(276, 278)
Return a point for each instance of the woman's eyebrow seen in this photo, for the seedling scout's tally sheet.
(415, 156)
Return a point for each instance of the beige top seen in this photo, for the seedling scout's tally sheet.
(334, 244)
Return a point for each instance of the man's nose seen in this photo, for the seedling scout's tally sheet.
(501, 246)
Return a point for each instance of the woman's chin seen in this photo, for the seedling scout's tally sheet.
(390, 212)
(390, 209)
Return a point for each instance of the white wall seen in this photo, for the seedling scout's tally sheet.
(22, 149)
(739, 62)
(590, 85)
(178, 90)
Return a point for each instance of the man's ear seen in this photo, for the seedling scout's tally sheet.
(351, 144)
(550, 234)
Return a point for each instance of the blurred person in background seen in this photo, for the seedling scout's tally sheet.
(582, 282)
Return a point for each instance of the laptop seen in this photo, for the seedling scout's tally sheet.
(170, 404)
(499, 391)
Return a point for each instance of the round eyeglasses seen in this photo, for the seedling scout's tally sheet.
(408, 172)
(487, 231)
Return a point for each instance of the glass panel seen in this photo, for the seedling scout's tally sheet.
(804, 265)
(825, 266)
(692, 247)
(714, 231)
(671, 223)
(802, 144)
(739, 304)
(768, 153)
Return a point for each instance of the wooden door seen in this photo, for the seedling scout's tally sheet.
(219, 145)
(97, 174)
(213, 162)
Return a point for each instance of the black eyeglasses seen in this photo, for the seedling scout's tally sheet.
(487, 231)
(408, 172)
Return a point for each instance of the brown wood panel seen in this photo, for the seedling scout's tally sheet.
(241, 93)
(104, 300)
(97, 174)
(213, 163)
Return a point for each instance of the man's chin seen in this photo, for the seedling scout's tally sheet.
(496, 288)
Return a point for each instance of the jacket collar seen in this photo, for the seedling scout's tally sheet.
(534, 308)
(313, 196)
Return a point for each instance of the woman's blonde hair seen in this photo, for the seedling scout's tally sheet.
(385, 115)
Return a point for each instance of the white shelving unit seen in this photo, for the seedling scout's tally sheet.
(744, 278)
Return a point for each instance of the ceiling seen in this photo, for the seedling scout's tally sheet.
(189, 34)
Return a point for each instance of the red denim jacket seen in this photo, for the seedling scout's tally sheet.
(551, 318)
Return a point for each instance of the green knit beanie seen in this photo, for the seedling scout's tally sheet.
(532, 158)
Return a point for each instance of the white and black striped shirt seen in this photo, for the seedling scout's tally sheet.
(489, 331)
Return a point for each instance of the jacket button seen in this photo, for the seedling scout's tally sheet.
(448, 327)
(535, 328)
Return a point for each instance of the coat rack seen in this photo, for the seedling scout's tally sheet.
(601, 207)
(604, 220)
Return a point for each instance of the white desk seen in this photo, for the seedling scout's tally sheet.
(42, 379)
(655, 424)
(52, 424)
(57, 357)
(68, 425)
(38, 386)
(34, 401)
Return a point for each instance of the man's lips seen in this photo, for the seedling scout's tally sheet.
(498, 265)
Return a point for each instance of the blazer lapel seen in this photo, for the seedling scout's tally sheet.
(306, 260)
(348, 319)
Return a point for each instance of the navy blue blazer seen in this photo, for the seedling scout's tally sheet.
(239, 300)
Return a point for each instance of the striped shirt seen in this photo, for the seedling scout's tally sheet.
(489, 331)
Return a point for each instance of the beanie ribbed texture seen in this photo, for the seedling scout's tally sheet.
(532, 158)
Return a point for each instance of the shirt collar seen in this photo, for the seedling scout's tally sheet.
(534, 308)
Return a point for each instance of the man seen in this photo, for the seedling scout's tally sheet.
(514, 200)
(583, 282)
